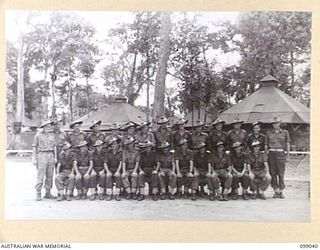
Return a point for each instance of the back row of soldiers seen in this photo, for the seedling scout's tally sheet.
(174, 164)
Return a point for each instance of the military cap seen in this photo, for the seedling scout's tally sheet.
(75, 123)
(276, 120)
(145, 144)
(183, 141)
(220, 143)
(198, 123)
(236, 144)
(128, 141)
(255, 143)
(114, 126)
(46, 123)
(181, 121)
(163, 145)
(94, 123)
(141, 125)
(98, 143)
(237, 120)
(117, 140)
(199, 145)
(256, 123)
(218, 121)
(66, 146)
(129, 125)
(163, 120)
(81, 144)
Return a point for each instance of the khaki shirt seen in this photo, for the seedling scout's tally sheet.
(113, 160)
(75, 139)
(130, 158)
(165, 160)
(177, 137)
(277, 140)
(184, 158)
(201, 161)
(221, 162)
(198, 138)
(257, 162)
(66, 160)
(240, 136)
(163, 135)
(44, 142)
(142, 137)
(60, 137)
(214, 137)
(82, 159)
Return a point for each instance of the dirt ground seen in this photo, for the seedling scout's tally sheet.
(20, 202)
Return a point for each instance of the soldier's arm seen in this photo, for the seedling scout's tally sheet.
(58, 167)
(191, 166)
(288, 143)
(119, 167)
(34, 149)
(210, 168)
(177, 166)
(266, 165)
(75, 166)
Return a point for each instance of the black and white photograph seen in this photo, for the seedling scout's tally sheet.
(155, 115)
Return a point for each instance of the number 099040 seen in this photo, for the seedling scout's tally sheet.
(308, 245)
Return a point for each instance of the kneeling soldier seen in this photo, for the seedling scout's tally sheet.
(97, 175)
(148, 165)
(239, 171)
(221, 172)
(130, 168)
(184, 167)
(65, 178)
(258, 171)
(82, 164)
(166, 169)
(202, 169)
(112, 166)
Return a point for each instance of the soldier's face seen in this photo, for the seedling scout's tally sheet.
(184, 146)
(237, 149)
(58, 125)
(47, 128)
(148, 149)
(83, 148)
(76, 128)
(181, 127)
(220, 149)
(131, 130)
(202, 150)
(166, 150)
(256, 129)
(130, 146)
(99, 148)
(114, 146)
(237, 125)
(96, 128)
(276, 125)
(219, 126)
(115, 131)
(144, 129)
(256, 149)
(198, 129)
(163, 125)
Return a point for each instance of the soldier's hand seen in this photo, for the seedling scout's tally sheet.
(251, 176)
(161, 173)
(55, 161)
(116, 174)
(179, 175)
(208, 175)
(86, 175)
(154, 172)
(78, 176)
(93, 173)
(34, 162)
(240, 175)
(142, 172)
(101, 172)
(134, 174)
(190, 174)
(71, 176)
(124, 175)
(214, 174)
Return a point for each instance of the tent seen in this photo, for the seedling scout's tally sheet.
(118, 112)
(266, 103)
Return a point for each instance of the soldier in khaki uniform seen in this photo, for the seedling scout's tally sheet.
(278, 148)
(181, 133)
(184, 167)
(44, 157)
(256, 135)
(65, 179)
(163, 133)
(167, 171)
(76, 135)
(97, 178)
(258, 171)
(95, 135)
(83, 164)
(221, 172)
(144, 134)
(217, 135)
(113, 166)
(237, 134)
(130, 129)
(202, 170)
(239, 171)
(130, 169)
(59, 135)
(198, 136)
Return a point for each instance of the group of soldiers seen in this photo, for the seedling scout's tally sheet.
(175, 164)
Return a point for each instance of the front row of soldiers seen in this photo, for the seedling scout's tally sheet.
(103, 167)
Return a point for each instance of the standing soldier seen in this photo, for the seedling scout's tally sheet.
(181, 133)
(83, 165)
(237, 134)
(148, 164)
(163, 133)
(239, 171)
(130, 169)
(65, 178)
(217, 135)
(95, 135)
(97, 175)
(76, 135)
(277, 146)
(44, 157)
(112, 166)
(60, 136)
(184, 167)
(221, 172)
(115, 130)
(144, 135)
(256, 135)
(258, 171)
(202, 170)
(166, 170)
(198, 136)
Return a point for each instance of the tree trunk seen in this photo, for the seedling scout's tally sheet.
(20, 83)
(70, 96)
(148, 88)
(164, 52)
(292, 73)
(88, 104)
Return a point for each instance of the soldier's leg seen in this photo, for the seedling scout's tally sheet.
(281, 162)
(235, 186)
(134, 186)
(60, 182)
(49, 175)
(70, 186)
(92, 184)
(85, 181)
(79, 186)
(141, 185)
(109, 187)
(154, 184)
(117, 180)
(126, 185)
(216, 184)
(162, 182)
(245, 183)
(41, 171)
(273, 172)
(265, 182)
(172, 182)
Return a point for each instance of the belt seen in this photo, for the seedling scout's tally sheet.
(276, 150)
(45, 151)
